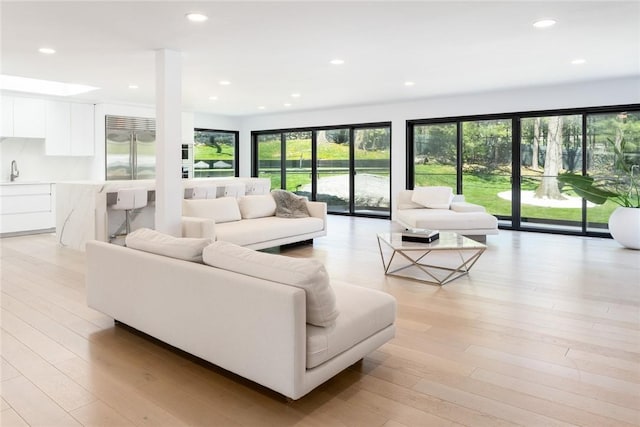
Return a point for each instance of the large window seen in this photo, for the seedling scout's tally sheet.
(348, 167)
(509, 163)
(215, 153)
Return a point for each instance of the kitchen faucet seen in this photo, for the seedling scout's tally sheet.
(14, 170)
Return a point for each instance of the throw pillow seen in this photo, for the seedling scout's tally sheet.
(289, 205)
(224, 209)
(433, 197)
(258, 206)
(307, 274)
(185, 248)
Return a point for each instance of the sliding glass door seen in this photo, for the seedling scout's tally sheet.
(510, 163)
(372, 170)
(347, 167)
(549, 145)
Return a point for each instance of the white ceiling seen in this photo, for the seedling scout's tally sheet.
(268, 50)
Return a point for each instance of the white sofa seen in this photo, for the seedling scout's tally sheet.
(461, 217)
(251, 326)
(250, 221)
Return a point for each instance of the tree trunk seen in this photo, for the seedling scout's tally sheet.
(536, 144)
(548, 188)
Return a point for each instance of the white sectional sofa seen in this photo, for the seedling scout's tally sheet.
(254, 323)
(461, 217)
(251, 221)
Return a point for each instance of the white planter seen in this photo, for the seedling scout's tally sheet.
(624, 226)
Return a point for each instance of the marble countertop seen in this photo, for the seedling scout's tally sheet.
(25, 182)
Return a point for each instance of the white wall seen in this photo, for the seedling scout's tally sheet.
(590, 94)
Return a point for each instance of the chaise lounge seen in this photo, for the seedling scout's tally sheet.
(437, 208)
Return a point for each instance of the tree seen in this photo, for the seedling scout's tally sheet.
(537, 135)
(337, 136)
(548, 187)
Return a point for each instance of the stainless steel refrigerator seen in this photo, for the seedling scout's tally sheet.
(130, 148)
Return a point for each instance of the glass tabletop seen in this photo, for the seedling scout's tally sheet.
(447, 240)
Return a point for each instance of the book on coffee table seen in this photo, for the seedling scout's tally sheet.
(422, 235)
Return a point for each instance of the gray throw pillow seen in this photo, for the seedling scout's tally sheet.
(288, 205)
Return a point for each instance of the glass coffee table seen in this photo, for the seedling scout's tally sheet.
(439, 262)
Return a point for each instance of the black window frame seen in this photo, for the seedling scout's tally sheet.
(236, 150)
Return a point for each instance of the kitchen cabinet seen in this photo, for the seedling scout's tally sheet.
(69, 130)
(23, 117)
(82, 129)
(27, 207)
(6, 126)
(29, 118)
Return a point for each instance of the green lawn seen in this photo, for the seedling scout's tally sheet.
(271, 151)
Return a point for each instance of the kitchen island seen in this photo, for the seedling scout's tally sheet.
(83, 208)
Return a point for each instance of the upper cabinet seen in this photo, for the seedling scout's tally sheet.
(23, 117)
(69, 130)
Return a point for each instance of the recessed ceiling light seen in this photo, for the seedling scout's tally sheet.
(47, 50)
(261, 107)
(224, 82)
(213, 98)
(43, 87)
(408, 83)
(545, 23)
(337, 61)
(579, 61)
(295, 95)
(133, 86)
(196, 17)
(287, 104)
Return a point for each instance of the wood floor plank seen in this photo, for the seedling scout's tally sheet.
(10, 418)
(59, 387)
(98, 414)
(35, 407)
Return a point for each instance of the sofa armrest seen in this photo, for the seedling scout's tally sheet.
(466, 207)
(318, 210)
(198, 227)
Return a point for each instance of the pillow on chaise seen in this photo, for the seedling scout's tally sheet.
(307, 274)
(289, 205)
(433, 197)
(185, 248)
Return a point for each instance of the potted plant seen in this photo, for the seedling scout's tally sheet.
(622, 188)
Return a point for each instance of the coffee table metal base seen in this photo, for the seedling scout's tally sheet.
(417, 256)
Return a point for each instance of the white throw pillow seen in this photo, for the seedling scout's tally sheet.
(224, 209)
(257, 206)
(433, 197)
(186, 248)
(307, 274)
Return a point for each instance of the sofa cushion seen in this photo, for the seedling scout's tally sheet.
(221, 210)
(307, 274)
(433, 197)
(185, 248)
(439, 219)
(258, 230)
(257, 206)
(289, 205)
(363, 312)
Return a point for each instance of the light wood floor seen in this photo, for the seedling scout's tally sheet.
(544, 332)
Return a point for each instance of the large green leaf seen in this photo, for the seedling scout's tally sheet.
(584, 187)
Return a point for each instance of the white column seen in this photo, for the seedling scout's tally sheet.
(169, 191)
